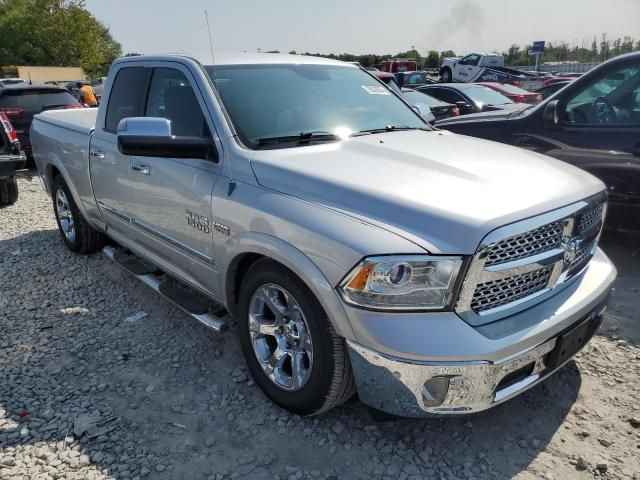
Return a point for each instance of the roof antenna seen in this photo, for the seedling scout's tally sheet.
(213, 62)
(231, 183)
(30, 81)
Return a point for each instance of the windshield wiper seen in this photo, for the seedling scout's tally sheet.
(518, 112)
(388, 128)
(302, 137)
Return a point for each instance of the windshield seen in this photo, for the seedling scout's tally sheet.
(486, 96)
(270, 101)
(512, 89)
(420, 97)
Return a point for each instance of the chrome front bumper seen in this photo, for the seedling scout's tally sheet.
(415, 389)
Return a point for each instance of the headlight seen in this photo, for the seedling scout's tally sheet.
(413, 282)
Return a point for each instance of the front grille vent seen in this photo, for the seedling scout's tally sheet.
(542, 239)
(496, 293)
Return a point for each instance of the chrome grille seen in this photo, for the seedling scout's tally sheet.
(581, 260)
(496, 293)
(542, 239)
(590, 218)
(549, 251)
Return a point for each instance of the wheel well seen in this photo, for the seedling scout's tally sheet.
(51, 173)
(236, 273)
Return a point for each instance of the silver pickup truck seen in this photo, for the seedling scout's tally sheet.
(355, 247)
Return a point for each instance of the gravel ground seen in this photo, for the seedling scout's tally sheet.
(177, 401)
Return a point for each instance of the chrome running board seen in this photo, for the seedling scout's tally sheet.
(209, 314)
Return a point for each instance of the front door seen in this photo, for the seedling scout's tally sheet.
(600, 133)
(171, 197)
(466, 70)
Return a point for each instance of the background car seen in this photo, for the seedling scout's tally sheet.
(10, 81)
(470, 97)
(549, 90)
(514, 93)
(21, 102)
(592, 122)
(413, 79)
(11, 161)
(439, 109)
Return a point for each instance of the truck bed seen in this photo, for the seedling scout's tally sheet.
(80, 121)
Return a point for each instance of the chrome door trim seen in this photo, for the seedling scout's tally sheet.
(162, 236)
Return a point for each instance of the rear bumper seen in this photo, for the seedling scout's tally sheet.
(10, 164)
(414, 388)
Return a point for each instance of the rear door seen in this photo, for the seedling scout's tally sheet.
(110, 170)
(171, 197)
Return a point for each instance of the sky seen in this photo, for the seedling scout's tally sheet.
(359, 26)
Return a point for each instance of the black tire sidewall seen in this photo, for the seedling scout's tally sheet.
(311, 397)
(446, 71)
(59, 184)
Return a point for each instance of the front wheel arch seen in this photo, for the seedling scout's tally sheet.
(241, 251)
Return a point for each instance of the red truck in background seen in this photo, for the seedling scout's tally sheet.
(395, 65)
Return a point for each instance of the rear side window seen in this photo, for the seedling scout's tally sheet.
(36, 100)
(126, 96)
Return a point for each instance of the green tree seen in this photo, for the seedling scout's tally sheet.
(432, 60)
(55, 33)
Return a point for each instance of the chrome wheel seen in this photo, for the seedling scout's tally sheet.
(65, 215)
(280, 337)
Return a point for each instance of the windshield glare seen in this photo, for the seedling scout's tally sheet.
(486, 96)
(269, 101)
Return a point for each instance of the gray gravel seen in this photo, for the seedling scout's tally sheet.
(186, 408)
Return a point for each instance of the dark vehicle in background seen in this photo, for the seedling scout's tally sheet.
(549, 90)
(513, 93)
(11, 161)
(592, 123)
(413, 79)
(21, 102)
(557, 79)
(470, 97)
(10, 81)
(439, 109)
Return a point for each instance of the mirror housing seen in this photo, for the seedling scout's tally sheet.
(462, 105)
(551, 115)
(152, 137)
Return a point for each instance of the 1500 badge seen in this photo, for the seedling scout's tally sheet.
(197, 221)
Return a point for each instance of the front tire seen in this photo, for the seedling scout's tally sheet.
(445, 75)
(8, 191)
(290, 346)
(77, 234)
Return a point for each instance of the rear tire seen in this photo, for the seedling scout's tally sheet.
(327, 379)
(77, 234)
(445, 75)
(8, 191)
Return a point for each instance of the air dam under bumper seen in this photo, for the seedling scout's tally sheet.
(413, 388)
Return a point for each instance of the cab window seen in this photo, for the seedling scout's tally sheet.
(125, 96)
(470, 60)
(611, 99)
(171, 96)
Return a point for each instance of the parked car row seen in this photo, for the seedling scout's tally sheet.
(592, 122)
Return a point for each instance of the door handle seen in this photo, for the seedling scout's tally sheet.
(140, 168)
(97, 153)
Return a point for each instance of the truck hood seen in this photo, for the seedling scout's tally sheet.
(440, 190)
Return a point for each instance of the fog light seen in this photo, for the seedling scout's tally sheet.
(434, 391)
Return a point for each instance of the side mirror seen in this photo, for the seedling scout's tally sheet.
(551, 115)
(416, 109)
(152, 137)
(462, 105)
